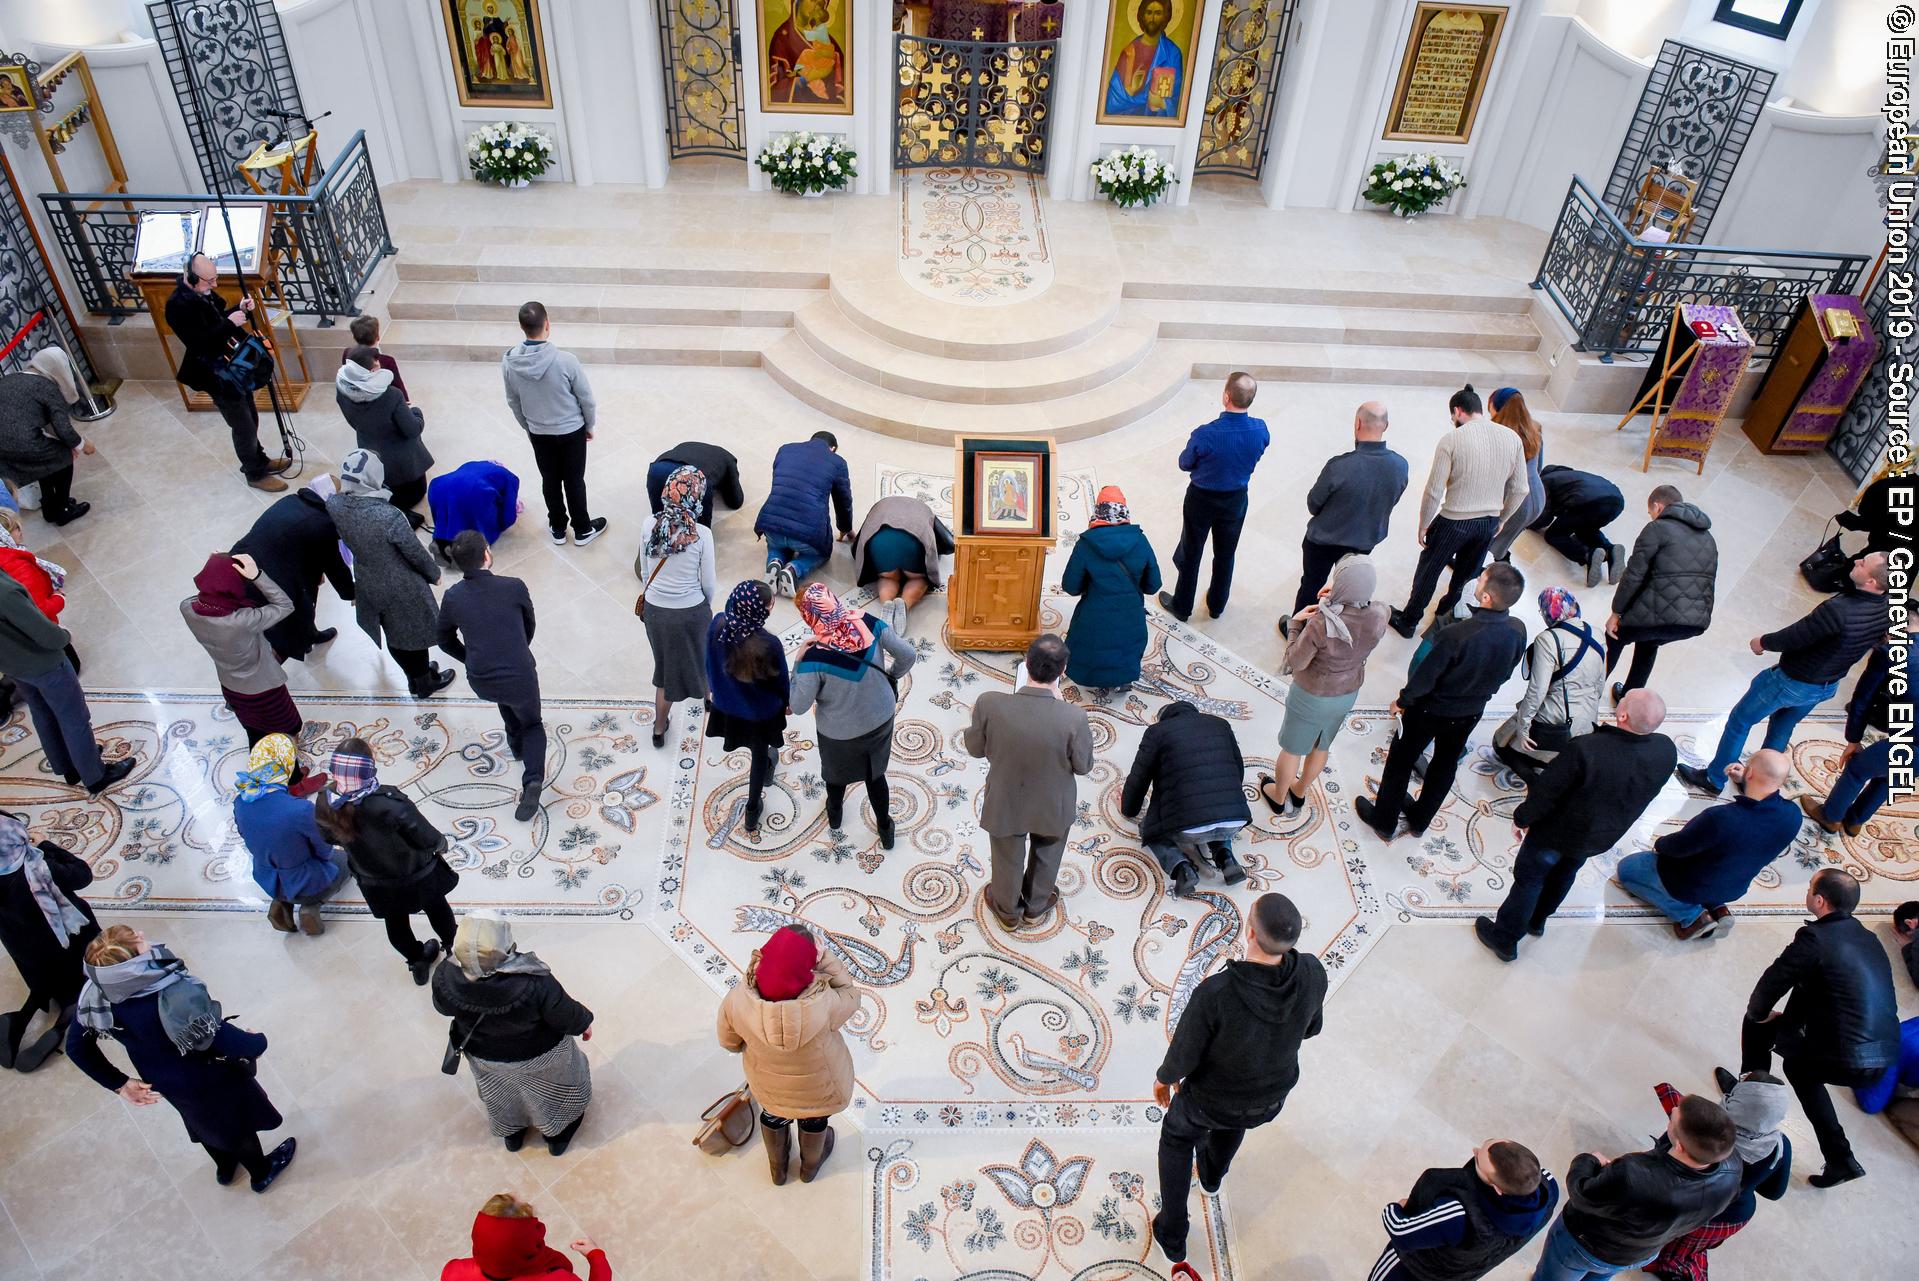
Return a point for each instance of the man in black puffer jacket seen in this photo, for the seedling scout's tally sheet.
(1459, 1223)
(1191, 763)
(1666, 593)
(1234, 1058)
(1815, 654)
(1841, 1021)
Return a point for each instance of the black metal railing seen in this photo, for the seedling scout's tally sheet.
(1618, 292)
(324, 246)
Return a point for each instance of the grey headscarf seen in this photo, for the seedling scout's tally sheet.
(1758, 1109)
(483, 946)
(189, 1015)
(363, 475)
(1353, 582)
(19, 854)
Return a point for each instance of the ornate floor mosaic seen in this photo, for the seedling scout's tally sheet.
(973, 236)
(1045, 1207)
(165, 840)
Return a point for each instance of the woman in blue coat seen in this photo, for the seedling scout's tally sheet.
(292, 862)
(140, 994)
(1112, 570)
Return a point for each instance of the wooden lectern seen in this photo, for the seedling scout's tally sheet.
(1003, 513)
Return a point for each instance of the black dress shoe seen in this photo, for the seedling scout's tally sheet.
(529, 802)
(1694, 776)
(888, 833)
(1402, 624)
(1724, 1079)
(1369, 815)
(1174, 1250)
(437, 679)
(1832, 1177)
(1166, 603)
(1483, 931)
(277, 1162)
(1185, 880)
(113, 773)
(324, 636)
(12, 1028)
(73, 512)
(423, 968)
(515, 1141)
(556, 1144)
(1618, 690)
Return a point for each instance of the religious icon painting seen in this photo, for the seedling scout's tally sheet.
(1007, 496)
(1148, 63)
(499, 53)
(1443, 73)
(16, 90)
(809, 57)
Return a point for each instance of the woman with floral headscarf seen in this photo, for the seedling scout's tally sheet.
(393, 853)
(746, 668)
(45, 927)
(678, 584)
(292, 862)
(1112, 570)
(851, 669)
(1565, 670)
(231, 626)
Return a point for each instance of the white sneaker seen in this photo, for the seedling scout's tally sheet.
(558, 537)
(593, 531)
(773, 576)
(789, 585)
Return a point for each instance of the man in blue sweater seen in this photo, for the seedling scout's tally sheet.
(1691, 874)
(807, 475)
(1351, 503)
(1220, 456)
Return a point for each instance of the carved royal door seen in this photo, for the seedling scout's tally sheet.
(1237, 127)
(971, 103)
(700, 55)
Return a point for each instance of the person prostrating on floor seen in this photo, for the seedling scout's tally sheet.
(1459, 1223)
(1580, 805)
(1443, 698)
(897, 552)
(1233, 1059)
(1036, 746)
(811, 492)
(1666, 591)
(720, 467)
(1840, 1024)
(1579, 505)
(45, 926)
(1219, 457)
(551, 400)
(1693, 873)
(1191, 763)
(486, 622)
(1478, 479)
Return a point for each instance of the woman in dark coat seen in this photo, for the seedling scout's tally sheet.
(37, 441)
(383, 421)
(294, 543)
(1112, 570)
(392, 852)
(45, 926)
(392, 573)
(140, 994)
(746, 670)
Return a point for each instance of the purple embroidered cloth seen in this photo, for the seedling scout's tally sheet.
(1709, 385)
(1848, 361)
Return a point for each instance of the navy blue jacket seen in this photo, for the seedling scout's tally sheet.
(1221, 454)
(1468, 663)
(486, 622)
(1353, 499)
(806, 474)
(757, 702)
(222, 1106)
(1713, 858)
(290, 858)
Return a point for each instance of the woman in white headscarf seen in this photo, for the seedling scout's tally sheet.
(516, 1027)
(1326, 653)
(45, 927)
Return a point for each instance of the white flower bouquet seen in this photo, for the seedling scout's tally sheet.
(1410, 185)
(806, 163)
(508, 153)
(1132, 177)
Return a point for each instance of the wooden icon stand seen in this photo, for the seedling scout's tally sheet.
(993, 595)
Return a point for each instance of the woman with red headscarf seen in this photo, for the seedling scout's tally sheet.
(231, 627)
(1112, 570)
(785, 1020)
(509, 1244)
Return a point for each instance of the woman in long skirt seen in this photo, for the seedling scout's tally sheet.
(842, 672)
(746, 668)
(678, 584)
(232, 629)
(517, 1026)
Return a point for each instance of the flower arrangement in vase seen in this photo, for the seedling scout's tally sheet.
(807, 164)
(508, 153)
(1411, 185)
(1132, 178)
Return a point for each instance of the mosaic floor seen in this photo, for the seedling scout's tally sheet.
(973, 237)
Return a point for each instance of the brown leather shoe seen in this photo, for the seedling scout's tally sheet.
(1009, 921)
(280, 915)
(1035, 916)
(1852, 829)
(280, 466)
(1816, 811)
(814, 1149)
(1701, 926)
(779, 1150)
(310, 923)
(1722, 920)
(270, 483)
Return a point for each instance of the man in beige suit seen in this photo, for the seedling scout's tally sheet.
(1035, 745)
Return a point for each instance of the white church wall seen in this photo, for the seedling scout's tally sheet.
(1802, 184)
(1324, 93)
(335, 51)
(868, 130)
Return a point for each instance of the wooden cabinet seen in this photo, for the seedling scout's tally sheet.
(993, 594)
(1813, 379)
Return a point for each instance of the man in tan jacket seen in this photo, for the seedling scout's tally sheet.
(1035, 745)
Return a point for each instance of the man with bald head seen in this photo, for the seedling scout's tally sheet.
(1815, 654)
(1351, 503)
(1580, 805)
(1693, 873)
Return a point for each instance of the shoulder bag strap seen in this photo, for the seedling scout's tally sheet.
(639, 604)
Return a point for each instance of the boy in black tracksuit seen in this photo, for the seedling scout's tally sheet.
(1458, 1224)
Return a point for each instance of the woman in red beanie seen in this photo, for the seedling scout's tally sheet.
(786, 1020)
(509, 1244)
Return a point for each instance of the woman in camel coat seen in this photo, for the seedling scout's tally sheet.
(785, 1019)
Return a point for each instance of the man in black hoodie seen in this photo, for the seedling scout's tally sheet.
(1458, 1224)
(1234, 1057)
(1443, 699)
(1620, 1212)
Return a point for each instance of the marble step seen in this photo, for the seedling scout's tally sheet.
(596, 304)
(1349, 289)
(594, 344)
(849, 346)
(809, 376)
(1337, 363)
(547, 264)
(1346, 325)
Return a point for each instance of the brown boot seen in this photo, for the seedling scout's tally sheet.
(1816, 811)
(814, 1149)
(310, 922)
(280, 915)
(779, 1149)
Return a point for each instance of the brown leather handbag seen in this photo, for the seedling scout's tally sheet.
(726, 1124)
(639, 605)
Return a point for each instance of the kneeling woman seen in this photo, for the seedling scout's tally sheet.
(140, 994)
(292, 862)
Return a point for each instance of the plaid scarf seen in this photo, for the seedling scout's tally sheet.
(188, 1014)
(18, 854)
(353, 776)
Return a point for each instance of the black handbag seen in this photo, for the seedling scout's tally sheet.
(1828, 569)
(450, 1061)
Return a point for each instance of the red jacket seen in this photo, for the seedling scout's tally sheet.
(516, 1250)
(25, 570)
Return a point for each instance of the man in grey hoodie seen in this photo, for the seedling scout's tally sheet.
(549, 396)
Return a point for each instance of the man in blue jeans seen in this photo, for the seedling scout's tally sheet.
(1861, 788)
(807, 476)
(1815, 654)
(33, 651)
(1220, 456)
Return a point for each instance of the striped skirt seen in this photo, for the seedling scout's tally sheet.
(549, 1092)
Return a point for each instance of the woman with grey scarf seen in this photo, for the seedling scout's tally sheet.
(140, 994)
(1757, 1103)
(45, 927)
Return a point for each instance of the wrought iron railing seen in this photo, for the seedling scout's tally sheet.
(324, 245)
(1618, 292)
